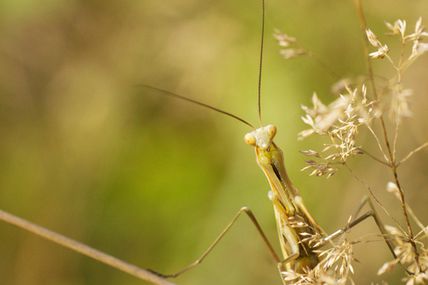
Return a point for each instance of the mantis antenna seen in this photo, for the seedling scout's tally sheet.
(259, 87)
(175, 95)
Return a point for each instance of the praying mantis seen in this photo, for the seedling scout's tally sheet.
(299, 235)
(293, 219)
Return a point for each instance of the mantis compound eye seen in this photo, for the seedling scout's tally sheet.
(250, 139)
(271, 130)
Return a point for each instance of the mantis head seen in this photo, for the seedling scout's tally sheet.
(262, 137)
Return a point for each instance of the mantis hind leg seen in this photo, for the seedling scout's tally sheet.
(370, 213)
(244, 210)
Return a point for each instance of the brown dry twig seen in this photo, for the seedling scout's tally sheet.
(81, 248)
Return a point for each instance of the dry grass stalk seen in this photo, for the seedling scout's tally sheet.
(357, 107)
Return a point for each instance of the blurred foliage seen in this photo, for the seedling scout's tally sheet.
(153, 180)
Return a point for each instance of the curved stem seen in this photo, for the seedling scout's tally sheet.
(84, 249)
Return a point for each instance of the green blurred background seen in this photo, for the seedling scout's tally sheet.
(151, 179)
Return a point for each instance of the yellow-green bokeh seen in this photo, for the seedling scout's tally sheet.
(152, 180)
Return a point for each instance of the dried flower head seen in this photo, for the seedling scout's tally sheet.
(398, 28)
(321, 117)
(418, 278)
(400, 103)
(335, 268)
(382, 50)
(410, 253)
(319, 168)
(283, 39)
(418, 33)
(341, 86)
(391, 187)
(416, 38)
(340, 122)
(289, 46)
(418, 49)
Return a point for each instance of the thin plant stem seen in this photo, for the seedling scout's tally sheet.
(371, 193)
(399, 77)
(415, 218)
(395, 140)
(375, 158)
(410, 154)
(378, 142)
(324, 65)
(422, 234)
(84, 249)
(363, 25)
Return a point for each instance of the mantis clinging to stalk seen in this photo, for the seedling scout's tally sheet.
(300, 237)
